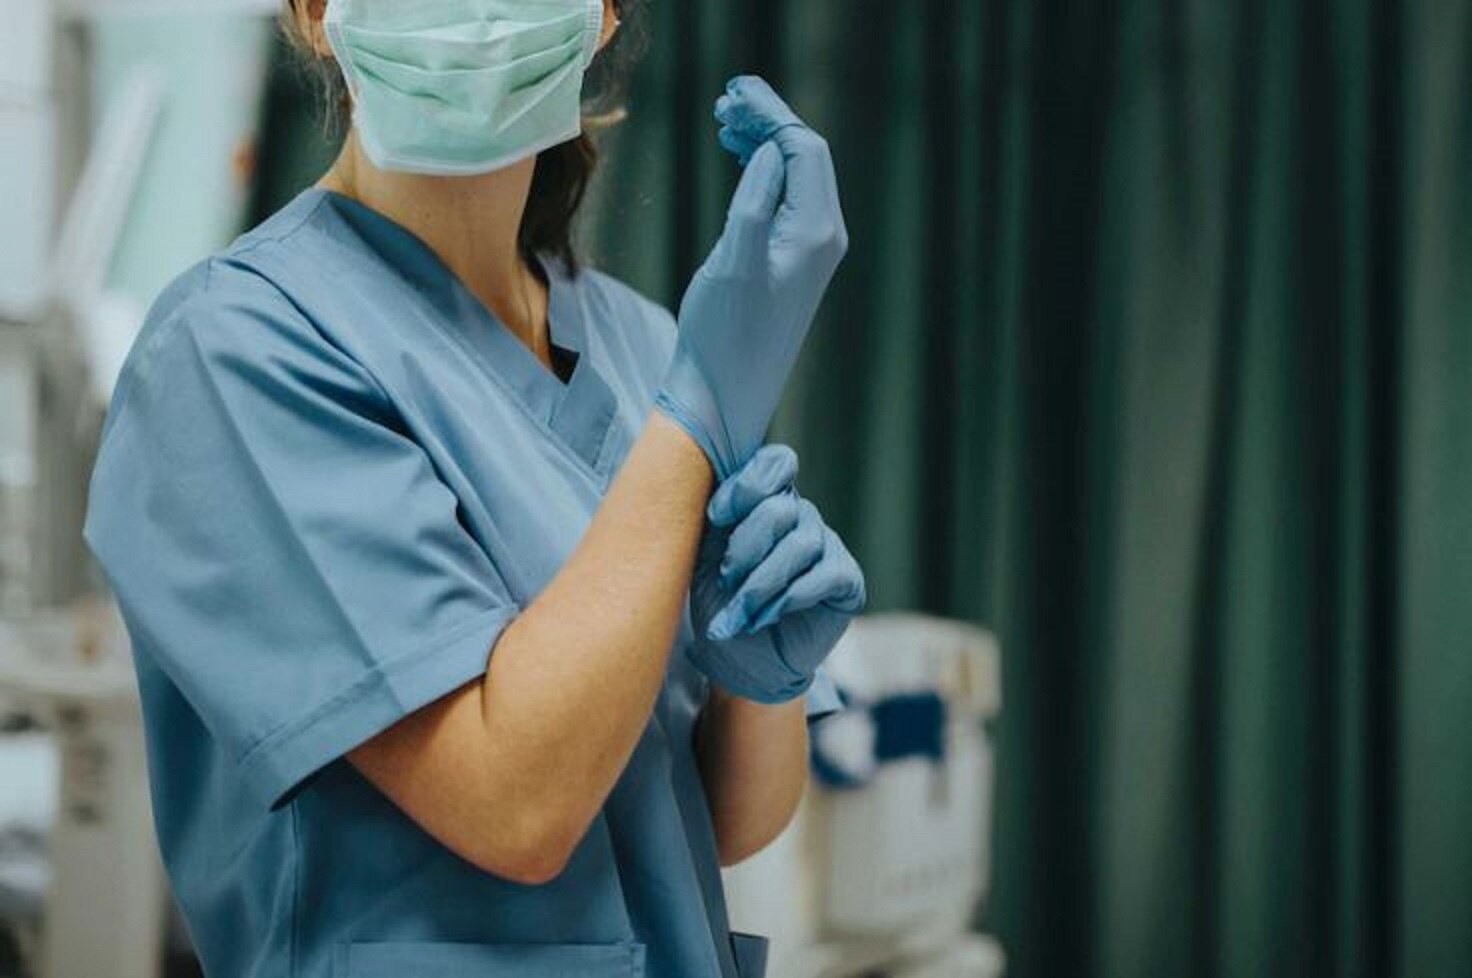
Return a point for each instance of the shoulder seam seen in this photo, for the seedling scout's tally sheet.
(203, 293)
(309, 323)
(279, 236)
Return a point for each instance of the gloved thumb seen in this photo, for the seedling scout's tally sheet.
(770, 472)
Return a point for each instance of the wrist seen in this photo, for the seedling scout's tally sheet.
(723, 702)
(679, 441)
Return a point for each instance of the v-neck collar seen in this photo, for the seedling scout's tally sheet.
(581, 412)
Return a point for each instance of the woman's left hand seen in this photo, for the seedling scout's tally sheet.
(774, 588)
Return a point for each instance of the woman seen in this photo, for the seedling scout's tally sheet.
(404, 512)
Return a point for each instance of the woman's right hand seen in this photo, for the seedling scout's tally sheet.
(749, 308)
(774, 587)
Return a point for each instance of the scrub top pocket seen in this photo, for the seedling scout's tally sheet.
(414, 960)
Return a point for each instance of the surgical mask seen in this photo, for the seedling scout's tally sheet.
(462, 87)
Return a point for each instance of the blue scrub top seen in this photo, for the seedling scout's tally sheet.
(329, 480)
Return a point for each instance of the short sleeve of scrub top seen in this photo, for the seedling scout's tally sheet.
(304, 561)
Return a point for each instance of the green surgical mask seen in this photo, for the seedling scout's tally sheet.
(461, 87)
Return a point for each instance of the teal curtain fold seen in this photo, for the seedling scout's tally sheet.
(1153, 353)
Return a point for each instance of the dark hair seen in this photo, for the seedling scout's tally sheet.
(563, 172)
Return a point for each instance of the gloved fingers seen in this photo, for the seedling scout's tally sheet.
(836, 582)
(738, 144)
(811, 216)
(751, 107)
(773, 519)
(753, 209)
(789, 559)
(755, 113)
(771, 472)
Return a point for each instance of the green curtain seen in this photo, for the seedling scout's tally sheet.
(1154, 353)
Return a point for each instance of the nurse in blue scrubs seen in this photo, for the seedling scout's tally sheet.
(475, 625)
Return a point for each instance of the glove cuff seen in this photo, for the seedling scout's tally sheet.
(688, 399)
(768, 689)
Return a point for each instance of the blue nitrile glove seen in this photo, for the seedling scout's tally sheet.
(774, 587)
(749, 308)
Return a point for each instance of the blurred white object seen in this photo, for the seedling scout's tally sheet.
(869, 877)
(922, 828)
(191, 196)
(25, 47)
(28, 164)
(104, 195)
(105, 908)
(30, 770)
(105, 323)
(18, 400)
(27, 201)
(971, 957)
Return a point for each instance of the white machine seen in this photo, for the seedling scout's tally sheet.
(125, 136)
(886, 865)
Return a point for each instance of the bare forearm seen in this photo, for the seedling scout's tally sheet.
(510, 771)
(573, 681)
(753, 760)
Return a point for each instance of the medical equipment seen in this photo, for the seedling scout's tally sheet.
(104, 909)
(889, 872)
(745, 316)
(774, 587)
(17, 470)
(82, 111)
(462, 87)
(82, 185)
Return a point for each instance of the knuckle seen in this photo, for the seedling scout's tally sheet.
(780, 453)
(808, 141)
(813, 529)
(787, 456)
(812, 142)
(769, 518)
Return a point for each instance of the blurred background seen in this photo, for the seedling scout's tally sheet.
(1151, 365)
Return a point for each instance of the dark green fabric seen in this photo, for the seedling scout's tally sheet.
(1154, 353)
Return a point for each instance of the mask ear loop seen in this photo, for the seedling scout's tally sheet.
(592, 31)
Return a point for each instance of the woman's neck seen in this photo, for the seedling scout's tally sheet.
(471, 223)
